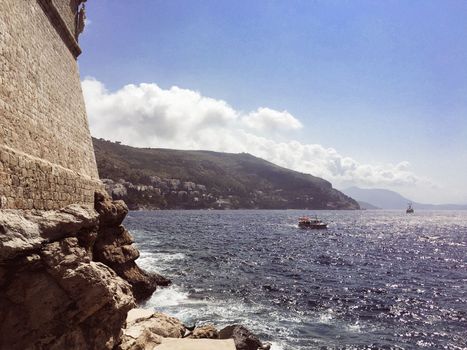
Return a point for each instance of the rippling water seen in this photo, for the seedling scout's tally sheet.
(374, 279)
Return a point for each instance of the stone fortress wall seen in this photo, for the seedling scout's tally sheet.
(46, 153)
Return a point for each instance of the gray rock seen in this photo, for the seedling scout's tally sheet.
(56, 224)
(207, 331)
(59, 279)
(17, 234)
(111, 213)
(60, 299)
(24, 231)
(114, 248)
(243, 338)
(145, 329)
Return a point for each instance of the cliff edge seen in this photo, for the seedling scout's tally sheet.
(68, 277)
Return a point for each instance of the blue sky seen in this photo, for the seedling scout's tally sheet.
(379, 82)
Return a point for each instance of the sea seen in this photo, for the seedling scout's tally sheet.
(373, 280)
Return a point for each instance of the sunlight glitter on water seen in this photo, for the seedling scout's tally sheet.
(373, 279)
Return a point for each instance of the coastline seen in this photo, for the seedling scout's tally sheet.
(80, 262)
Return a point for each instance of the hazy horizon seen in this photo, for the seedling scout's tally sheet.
(367, 94)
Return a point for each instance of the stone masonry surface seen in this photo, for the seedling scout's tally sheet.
(46, 154)
(68, 9)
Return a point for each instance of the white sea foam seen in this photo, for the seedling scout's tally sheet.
(326, 317)
(147, 261)
(169, 257)
(225, 312)
(166, 297)
(158, 262)
(175, 301)
(291, 225)
(354, 328)
(276, 345)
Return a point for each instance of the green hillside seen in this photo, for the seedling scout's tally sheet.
(164, 178)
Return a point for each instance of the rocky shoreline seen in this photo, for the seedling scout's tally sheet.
(146, 329)
(69, 280)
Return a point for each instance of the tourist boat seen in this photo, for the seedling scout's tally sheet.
(409, 209)
(315, 223)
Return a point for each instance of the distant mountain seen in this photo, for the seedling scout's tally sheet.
(365, 205)
(386, 199)
(165, 178)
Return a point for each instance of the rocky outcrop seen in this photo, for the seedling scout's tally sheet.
(145, 329)
(67, 277)
(52, 295)
(114, 248)
(25, 231)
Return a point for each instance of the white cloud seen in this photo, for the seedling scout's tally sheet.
(146, 115)
(266, 119)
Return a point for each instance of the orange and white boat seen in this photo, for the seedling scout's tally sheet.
(311, 223)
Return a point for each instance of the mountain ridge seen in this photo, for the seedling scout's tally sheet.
(387, 199)
(157, 178)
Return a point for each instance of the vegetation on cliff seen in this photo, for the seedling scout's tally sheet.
(165, 179)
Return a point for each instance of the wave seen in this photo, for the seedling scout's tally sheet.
(176, 301)
(164, 298)
(326, 317)
(277, 345)
(158, 262)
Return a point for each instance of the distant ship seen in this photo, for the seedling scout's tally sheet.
(409, 209)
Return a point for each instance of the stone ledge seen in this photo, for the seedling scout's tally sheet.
(196, 344)
(60, 26)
